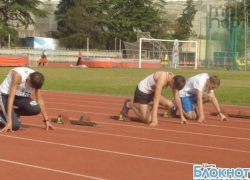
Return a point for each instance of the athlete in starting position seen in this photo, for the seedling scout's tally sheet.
(16, 90)
(150, 89)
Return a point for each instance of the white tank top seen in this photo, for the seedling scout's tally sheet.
(23, 89)
(194, 84)
(148, 84)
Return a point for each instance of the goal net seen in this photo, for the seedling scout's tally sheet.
(33, 60)
(169, 53)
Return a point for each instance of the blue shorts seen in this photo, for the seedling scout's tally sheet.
(187, 103)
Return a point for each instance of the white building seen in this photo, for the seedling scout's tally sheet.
(43, 27)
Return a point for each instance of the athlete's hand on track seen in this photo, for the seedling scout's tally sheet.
(7, 127)
(153, 123)
(49, 126)
(184, 121)
(201, 118)
(223, 117)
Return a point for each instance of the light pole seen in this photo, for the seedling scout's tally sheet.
(202, 5)
(115, 43)
(245, 23)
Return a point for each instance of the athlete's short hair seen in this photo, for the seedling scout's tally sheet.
(179, 82)
(215, 80)
(36, 80)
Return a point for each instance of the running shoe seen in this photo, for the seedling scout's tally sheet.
(173, 110)
(125, 108)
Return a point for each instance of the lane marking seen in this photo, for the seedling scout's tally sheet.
(121, 98)
(213, 125)
(247, 121)
(73, 105)
(159, 129)
(100, 150)
(147, 139)
(50, 169)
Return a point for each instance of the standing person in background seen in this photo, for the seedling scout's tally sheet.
(43, 59)
(79, 58)
(164, 60)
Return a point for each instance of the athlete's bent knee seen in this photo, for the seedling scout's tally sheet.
(16, 126)
(35, 110)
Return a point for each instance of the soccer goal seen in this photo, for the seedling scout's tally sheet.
(170, 53)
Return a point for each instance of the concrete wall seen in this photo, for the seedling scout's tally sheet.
(63, 55)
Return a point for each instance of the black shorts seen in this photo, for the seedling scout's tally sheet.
(142, 98)
(25, 107)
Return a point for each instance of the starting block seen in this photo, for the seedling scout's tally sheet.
(239, 115)
(168, 115)
(165, 114)
(64, 119)
(120, 117)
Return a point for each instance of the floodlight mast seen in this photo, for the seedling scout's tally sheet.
(140, 53)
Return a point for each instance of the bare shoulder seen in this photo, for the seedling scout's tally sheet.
(16, 77)
(160, 76)
(170, 75)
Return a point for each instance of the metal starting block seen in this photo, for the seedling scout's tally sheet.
(120, 117)
(64, 119)
(239, 115)
(165, 114)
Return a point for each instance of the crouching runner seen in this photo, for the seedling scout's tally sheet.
(15, 91)
(150, 89)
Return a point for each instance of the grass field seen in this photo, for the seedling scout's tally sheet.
(234, 88)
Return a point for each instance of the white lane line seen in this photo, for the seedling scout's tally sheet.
(121, 98)
(176, 131)
(169, 130)
(100, 150)
(50, 92)
(111, 102)
(74, 105)
(147, 139)
(118, 108)
(50, 169)
(247, 121)
(85, 99)
(210, 125)
(89, 112)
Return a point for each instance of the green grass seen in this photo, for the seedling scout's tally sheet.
(234, 88)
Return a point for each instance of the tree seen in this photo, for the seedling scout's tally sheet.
(126, 18)
(237, 6)
(60, 14)
(18, 14)
(184, 26)
(104, 20)
(77, 21)
(235, 23)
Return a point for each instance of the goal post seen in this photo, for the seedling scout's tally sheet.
(33, 61)
(184, 55)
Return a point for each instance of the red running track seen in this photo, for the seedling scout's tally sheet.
(119, 150)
